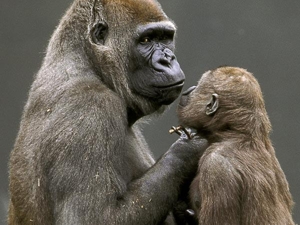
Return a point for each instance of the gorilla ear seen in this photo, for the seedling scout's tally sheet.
(99, 33)
(213, 105)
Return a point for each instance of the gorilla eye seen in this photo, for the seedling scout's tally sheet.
(145, 40)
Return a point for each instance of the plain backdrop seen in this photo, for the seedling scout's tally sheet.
(262, 36)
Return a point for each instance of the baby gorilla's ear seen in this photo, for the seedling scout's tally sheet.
(213, 105)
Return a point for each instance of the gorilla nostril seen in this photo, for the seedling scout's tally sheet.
(169, 54)
(166, 61)
(169, 57)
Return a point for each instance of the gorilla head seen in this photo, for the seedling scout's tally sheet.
(133, 53)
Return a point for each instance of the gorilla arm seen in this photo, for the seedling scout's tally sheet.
(90, 180)
(220, 187)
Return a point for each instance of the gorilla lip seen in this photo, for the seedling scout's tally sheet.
(177, 84)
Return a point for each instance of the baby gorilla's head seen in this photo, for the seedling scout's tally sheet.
(225, 99)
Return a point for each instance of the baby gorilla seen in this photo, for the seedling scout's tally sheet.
(239, 179)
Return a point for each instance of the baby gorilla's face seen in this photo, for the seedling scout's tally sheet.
(223, 99)
(184, 99)
(193, 103)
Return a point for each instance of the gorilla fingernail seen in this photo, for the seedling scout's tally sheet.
(178, 130)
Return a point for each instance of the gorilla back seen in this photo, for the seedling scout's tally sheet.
(79, 157)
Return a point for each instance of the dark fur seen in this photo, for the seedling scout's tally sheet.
(80, 157)
(239, 181)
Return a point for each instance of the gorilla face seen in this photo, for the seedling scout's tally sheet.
(198, 104)
(156, 72)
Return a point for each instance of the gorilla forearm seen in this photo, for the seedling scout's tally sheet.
(145, 200)
(153, 194)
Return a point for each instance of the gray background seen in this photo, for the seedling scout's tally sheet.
(260, 35)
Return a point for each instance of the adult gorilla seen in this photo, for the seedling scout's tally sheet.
(79, 157)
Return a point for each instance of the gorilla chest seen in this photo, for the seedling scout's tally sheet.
(138, 158)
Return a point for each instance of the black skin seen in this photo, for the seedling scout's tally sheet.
(80, 157)
(158, 75)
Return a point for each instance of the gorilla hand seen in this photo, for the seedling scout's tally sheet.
(183, 215)
(189, 151)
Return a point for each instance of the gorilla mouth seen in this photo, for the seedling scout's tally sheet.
(168, 94)
(174, 85)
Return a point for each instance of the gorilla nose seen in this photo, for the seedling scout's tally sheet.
(169, 54)
(166, 57)
(165, 61)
